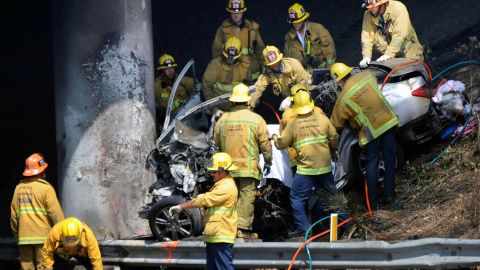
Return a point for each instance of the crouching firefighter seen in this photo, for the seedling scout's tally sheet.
(68, 239)
(220, 215)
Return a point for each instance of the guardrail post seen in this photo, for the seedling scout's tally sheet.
(333, 227)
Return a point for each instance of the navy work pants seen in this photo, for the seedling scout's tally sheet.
(219, 256)
(386, 145)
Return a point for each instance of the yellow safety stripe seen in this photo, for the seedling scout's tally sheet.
(361, 117)
(310, 140)
(308, 51)
(219, 239)
(32, 210)
(225, 87)
(247, 51)
(32, 240)
(313, 171)
(220, 210)
(293, 163)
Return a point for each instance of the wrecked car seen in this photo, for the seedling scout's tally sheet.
(185, 145)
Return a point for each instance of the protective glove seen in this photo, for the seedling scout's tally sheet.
(273, 137)
(365, 61)
(383, 58)
(175, 210)
(266, 168)
(218, 113)
(285, 104)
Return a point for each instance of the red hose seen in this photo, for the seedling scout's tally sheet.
(399, 67)
(273, 110)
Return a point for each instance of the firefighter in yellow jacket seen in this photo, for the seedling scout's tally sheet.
(365, 108)
(226, 71)
(308, 42)
(164, 84)
(34, 211)
(68, 239)
(220, 214)
(387, 29)
(281, 73)
(313, 137)
(244, 135)
(288, 116)
(244, 29)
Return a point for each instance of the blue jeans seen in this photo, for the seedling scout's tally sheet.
(301, 188)
(385, 144)
(219, 256)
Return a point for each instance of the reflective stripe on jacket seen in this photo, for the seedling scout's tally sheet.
(220, 78)
(34, 211)
(163, 88)
(221, 215)
(287, 117)
(395, 37)
(321, 45)
(249, 35)
(292, 73)
(313, 137)
(364, 107)
(88, 247)
(243, 134)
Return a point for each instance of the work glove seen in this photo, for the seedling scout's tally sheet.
(383, 58)
(273, 137)
(285, 104)
(175, 210)
(266, 169)
(365, 61)
(218, 113)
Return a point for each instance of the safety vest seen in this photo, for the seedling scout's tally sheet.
(34, 211)
(364, 106)
(243, 134)
(221, 214)
(312, 135)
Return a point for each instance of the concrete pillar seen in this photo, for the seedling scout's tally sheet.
(104, 111)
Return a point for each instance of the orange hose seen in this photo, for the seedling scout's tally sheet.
(273, 109)
(438, 86)
(368, 199)
(311, 239)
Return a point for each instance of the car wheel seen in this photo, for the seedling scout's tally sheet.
(362, 163)
(164, 227)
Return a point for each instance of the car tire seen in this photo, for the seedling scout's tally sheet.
(188, 223)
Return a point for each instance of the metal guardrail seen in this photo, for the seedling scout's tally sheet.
(432, 253)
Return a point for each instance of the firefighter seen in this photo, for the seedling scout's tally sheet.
(34, 211)
(288, 116)
(244, 29)
(387, 29)
(308, 42)
(314, 138)
(244, 135)
(226, 71)
(281, 73)
(221, 213)
(68, 239)
(164, 84)
(365, 108)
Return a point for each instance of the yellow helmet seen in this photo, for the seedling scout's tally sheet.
(71, 232)
(297, 13)
(166, 61)
(236, 6)
(338, 71)
(232, 48)
(294, 89)
(303, 103)
(271, 55)
(240, 93)
(221, 162)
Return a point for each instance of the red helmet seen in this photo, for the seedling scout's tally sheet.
(34, 165)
